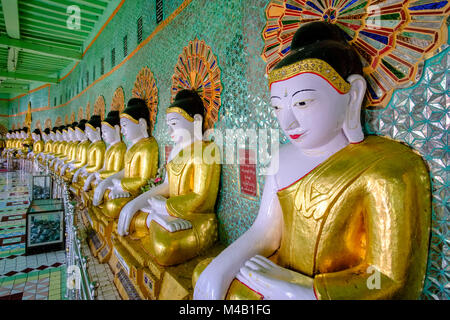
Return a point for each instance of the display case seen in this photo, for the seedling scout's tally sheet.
(42, 187)
(44, 226)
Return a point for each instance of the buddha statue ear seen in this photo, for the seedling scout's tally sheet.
(143, 127)
(352, 123)
(117, 130)
(198, 126)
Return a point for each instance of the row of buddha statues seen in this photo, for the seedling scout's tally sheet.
(344, 217)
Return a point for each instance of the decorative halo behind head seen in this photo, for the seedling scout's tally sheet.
(118, 100)
(99, 107)
(392, 37)
(146, 90)
(197, 69)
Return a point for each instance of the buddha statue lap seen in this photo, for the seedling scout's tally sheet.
(140, 165)
(114, 162)
(175, 221)
(95, 155)
(341, 206)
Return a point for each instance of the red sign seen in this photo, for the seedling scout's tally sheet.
(247, 172)
(167, 150)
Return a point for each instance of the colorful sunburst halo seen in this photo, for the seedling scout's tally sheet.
(392, 37)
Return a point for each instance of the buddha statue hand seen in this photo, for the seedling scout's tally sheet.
(87, 182)
(171, 224)
(158, 212)
(275, 282)
(100, 191)
(117, 190)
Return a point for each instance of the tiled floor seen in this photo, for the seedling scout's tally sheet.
(36, 277)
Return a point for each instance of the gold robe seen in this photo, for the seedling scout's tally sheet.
(366, 209)
(96, 156)
(81, 159)
(141, 164)
(193, 188)
(114, 162)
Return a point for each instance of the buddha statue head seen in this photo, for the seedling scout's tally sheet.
(53, 134)
(65, 133)
(71, 131)
(24, 133)
(318, 89)
(135, 120)
(111, 128)
(8, 134)
(93, 128)
(184, 116)
(80, 130)
(36, 135)
(58, 133)
(46, 134)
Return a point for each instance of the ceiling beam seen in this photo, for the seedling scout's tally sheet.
(13, 90)
(27, 77)
(11, 15)
(42, 49)
(65, 4)
(55, 12)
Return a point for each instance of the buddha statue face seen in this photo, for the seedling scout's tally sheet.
(309, 110)
(7, 135)
(44, 137)
(180, 129)
(110, 134)
(35, 137)
(93, 135)
(72, 135)
(52, 136)
(23, 134)
(132, 130)
(80, 134)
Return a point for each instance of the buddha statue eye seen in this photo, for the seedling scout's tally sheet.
(276, 108)
(301, 104)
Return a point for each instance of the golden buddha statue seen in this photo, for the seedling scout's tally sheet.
(95, 154)
(71, 153)
(175, 221)
(344, 216)
(114, 162)
(68, 170)
(140, 165)
(59, 148)
(38, 145)
(47, 146)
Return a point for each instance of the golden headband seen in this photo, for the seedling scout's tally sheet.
(79, 130)
(316, 66)
(127, 116)
(108, 124)
(180, 111)
(91, 126)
